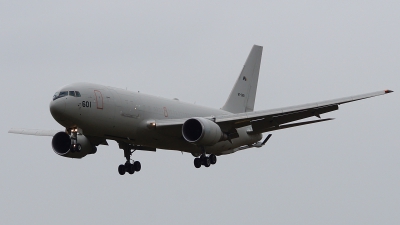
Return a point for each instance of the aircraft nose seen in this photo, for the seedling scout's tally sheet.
(57, 109)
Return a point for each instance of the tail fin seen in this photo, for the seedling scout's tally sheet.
(243, 94)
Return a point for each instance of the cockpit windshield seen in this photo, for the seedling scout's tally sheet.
(66, 93)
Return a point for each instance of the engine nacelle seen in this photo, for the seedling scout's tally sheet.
(201, 131)
(61, 144)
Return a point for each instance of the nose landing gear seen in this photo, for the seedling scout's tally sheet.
(129, 167)
(75, 146)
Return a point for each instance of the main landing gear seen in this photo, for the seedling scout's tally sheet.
(129, 167)
(205, 160)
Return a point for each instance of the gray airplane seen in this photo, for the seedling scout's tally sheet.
(93, 114)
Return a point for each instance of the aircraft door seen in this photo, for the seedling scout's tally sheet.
(99, 99)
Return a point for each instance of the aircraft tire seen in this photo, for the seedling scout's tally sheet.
(207, 162)
(121, 169)
(137, 166)
(78, 147)
(130, 169)
(197, 162)
(72, 148)
(213, 159)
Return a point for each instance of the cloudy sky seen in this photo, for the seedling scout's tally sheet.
(345, 171)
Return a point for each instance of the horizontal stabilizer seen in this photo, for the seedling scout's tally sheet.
(35, 132)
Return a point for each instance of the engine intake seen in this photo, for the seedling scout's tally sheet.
(201, 131)
(61, 144)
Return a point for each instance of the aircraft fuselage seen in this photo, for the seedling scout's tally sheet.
(113, 113)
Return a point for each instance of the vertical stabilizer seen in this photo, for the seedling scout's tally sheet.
(243, 94)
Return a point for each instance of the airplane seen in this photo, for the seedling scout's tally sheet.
(92, 114)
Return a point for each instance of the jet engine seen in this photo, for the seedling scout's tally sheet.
(61, 144)
(202, 131)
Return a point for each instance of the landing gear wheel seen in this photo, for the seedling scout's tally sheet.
(197, 162)
(78, 147)
(130, 169)
(121, 169)
(137, 166)
(206, 162)
(72, 148)
(213, 159)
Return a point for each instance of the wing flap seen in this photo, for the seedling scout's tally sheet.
(281, 127)
(275, 121)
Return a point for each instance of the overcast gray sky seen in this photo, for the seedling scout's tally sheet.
(344, 171)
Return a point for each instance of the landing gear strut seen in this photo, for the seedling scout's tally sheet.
(75, 146)
(129, 167)
(205, 160)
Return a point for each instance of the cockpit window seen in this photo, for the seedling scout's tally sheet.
(66, 93)
(63, 94)
(60, 94)
(55, 96)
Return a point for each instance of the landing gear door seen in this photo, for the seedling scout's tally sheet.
(99, 99)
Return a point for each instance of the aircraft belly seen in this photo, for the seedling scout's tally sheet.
(162, 141)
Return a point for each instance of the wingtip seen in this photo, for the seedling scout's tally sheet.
(388, 91)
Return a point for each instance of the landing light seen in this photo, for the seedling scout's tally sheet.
(151, 124)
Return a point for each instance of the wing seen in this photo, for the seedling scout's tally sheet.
(268, 120)
(262, 121)
(35, 132)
